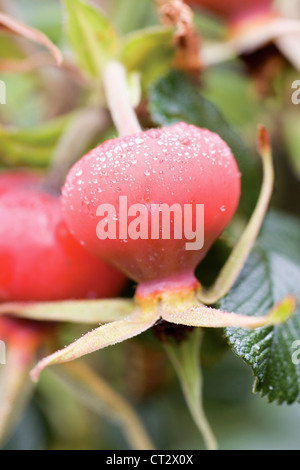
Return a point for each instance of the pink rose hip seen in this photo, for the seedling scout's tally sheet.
(182, 165)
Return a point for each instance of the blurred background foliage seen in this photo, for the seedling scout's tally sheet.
(39, 106)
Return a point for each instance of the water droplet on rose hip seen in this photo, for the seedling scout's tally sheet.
(185, 141)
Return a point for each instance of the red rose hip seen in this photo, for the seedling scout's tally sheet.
(40, 260)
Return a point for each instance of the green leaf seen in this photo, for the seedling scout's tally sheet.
(176, 98)
(149, 51)
(281, 233)
(271, 273)
(32, 146)
(91, 35)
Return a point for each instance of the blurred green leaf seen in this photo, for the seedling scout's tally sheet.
(8, 48)
(21, 29)
(31, 433)
(213, 347)
(270, 274)
(33, 13)
(209, 26)
(98, 395)
(150, 51)
(121, 12)
(32, 146)
(185, 359)
(16, 387)
(234, 93)
(176, 98)
(25, 105)
(291, 126)
(91, 35)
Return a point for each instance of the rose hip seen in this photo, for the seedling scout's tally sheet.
(234, 9)
(40, 260)
(181, 165)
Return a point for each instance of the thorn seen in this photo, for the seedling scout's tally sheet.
(263, 140)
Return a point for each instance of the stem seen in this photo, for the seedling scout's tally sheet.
(118, 99)
(239, 254)
(87, 386)
(84, 128)
(185, 359)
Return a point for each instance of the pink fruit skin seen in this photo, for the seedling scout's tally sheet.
(180, 164)
(39, 258)
(234, 9)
